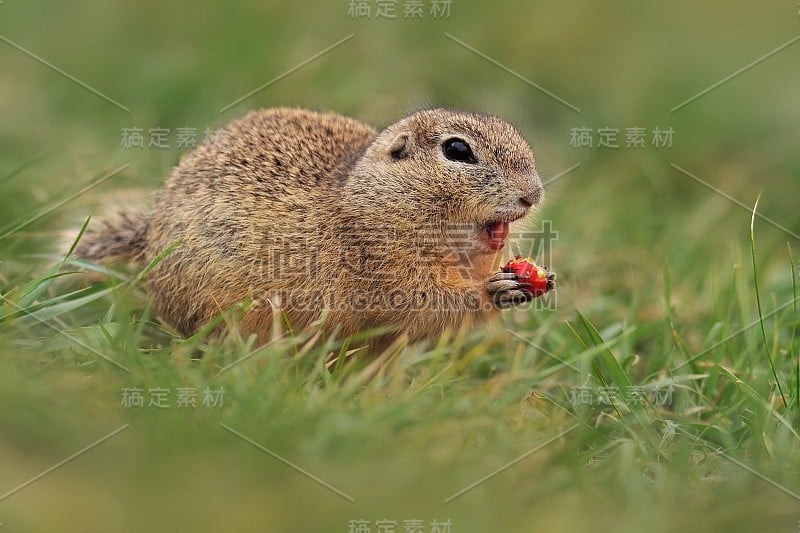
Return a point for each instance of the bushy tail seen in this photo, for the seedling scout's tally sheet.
(120, 238)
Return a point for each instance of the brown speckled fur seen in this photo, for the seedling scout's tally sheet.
(309, 211)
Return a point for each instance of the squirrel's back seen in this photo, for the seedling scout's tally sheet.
(279, 159)
(274, 150)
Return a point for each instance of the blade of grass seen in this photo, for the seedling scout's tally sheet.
(609, 365)
(753, 394)
(792, 347)
(36, 288)
(75, 241)
(676, 338)
(93, 267)
(598, 374)
(758, 300)
(45, 312)
(160, 257)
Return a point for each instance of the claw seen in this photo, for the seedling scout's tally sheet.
(502, 285)
(500, 276)
(513, 297)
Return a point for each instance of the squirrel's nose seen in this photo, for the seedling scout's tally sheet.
(532, 192)
(531, 199)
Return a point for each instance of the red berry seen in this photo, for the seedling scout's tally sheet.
(531, 278)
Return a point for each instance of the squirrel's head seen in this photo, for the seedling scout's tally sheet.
(452, 168)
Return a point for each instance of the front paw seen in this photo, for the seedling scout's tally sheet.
(551, 281)
(506, 291)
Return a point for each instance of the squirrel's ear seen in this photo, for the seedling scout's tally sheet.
(401, 146)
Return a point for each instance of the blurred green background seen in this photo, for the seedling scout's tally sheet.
(657, 261)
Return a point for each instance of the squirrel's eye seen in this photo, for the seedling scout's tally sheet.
(458, 150)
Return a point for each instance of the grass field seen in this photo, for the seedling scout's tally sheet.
(528, 427)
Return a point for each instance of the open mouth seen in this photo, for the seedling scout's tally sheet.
(495, 232)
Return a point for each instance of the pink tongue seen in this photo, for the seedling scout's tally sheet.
(498, 231)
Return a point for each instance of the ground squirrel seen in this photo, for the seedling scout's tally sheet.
(310, 212)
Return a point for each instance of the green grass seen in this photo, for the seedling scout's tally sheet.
(662, 282)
